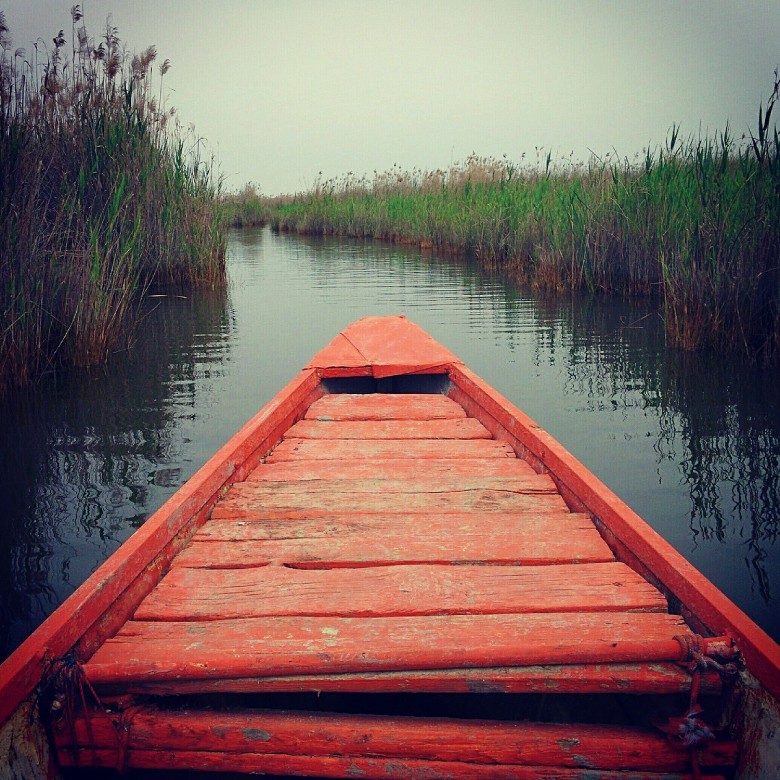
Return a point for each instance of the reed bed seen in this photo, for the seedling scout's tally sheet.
(101, 196)
(245, 208)
(695, 223)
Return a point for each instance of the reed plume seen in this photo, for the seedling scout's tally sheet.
(100, 197)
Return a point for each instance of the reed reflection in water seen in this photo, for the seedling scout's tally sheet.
(714, 426)
(85, 457)
(690, 442)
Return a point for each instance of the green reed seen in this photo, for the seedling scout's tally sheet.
(695, 223)
(245, 208)
(101, 196)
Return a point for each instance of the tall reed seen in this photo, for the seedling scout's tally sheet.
(696, 223)
(245, 208)
(101, 195)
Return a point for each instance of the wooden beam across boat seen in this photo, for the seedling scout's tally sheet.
(387, 746)
(389, 525)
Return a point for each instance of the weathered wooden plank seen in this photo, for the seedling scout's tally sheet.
(399, 468)
(316, 449)
(465, 428)
(485, 742)
(423, 482)
(360, 540)
(347, 766)
(531, 529)
(249, 499)
(378, 550)
(214, 594)
(662, 678)
(384, 406)
(387, 346)
(275, 646)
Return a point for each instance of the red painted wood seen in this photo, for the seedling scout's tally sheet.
(304, 645)
(247, 499)
(408, 469)
(389, 345)
(345, 478)
(344, 483)
(655, 678)
(312, 449)
(458, 519)
(697, 594)
(466, 428)
(350, 766)
(340, 353)
(91, 607)
(384, 406)
(428, 739)
(379, 539)
(215, 594)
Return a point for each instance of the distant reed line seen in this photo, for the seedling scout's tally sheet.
(101, 196)
(245, 208)
(696, 224)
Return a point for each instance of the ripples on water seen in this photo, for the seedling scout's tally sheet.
(690, 442)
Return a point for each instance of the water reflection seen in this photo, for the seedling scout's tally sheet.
(714, 424)
(691, 442)
(85, 456)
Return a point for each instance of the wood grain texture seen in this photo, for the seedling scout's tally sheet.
(302, 765)
(247, 499)
(571, 746)
(407, 469)
(634, 678)
(466, 428)
(273, 646)
(384, 406)
(347, 450)
(326, 540)
(214, 594)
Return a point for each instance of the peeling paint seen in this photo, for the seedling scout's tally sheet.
(485, 686)
(255, 735)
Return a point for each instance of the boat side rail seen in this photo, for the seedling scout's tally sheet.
(631, 538)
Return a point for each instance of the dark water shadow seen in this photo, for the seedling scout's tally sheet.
(84, 455)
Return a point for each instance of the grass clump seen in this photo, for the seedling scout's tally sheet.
(696, 224)
(245, 208)
(101, 196)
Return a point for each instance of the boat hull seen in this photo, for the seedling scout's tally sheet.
(385, 354)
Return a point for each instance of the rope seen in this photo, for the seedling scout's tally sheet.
(689, 730)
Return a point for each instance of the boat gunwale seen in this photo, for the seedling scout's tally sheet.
(706, 603)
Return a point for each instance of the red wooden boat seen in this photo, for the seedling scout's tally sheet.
(392, 572)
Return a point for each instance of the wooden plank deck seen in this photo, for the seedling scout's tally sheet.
(356, 545)
(389, 545)
(390, 535)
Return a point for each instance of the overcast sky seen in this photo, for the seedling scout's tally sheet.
(284, 89)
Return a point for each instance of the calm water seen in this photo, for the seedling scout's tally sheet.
(691, 442)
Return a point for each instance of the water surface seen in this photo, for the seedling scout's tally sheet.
(691, 442)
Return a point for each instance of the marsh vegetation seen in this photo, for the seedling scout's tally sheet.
(245, 208)
(695, 224)
(102, 195)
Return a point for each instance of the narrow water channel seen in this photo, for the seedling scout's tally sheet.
(691, 442)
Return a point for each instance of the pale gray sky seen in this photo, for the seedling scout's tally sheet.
(284, 89)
